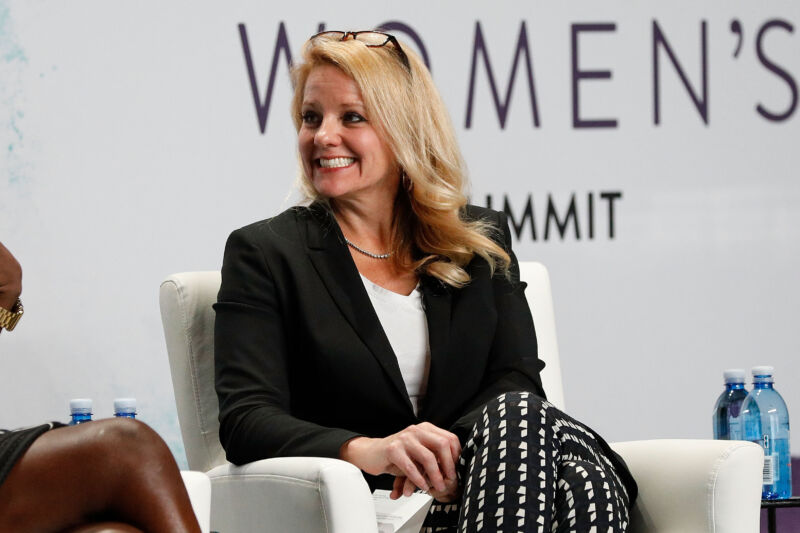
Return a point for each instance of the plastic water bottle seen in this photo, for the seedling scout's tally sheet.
(727, 421)
(125, 407)
(81, 411)
(767, 423)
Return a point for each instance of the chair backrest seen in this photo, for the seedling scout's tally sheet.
(540, 300)
(188, 321)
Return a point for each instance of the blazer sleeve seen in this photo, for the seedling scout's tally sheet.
(514, 364)
(252, 362)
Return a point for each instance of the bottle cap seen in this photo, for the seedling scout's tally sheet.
(734, 375)
(81, 406)
(762, 374)
(125, 405)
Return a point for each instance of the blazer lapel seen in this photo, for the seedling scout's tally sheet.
(334, 264)
(438, 302)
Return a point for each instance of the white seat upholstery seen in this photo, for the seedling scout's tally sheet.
(695, 485)
(540, 299)
(199, 488)
(685, 485)
(302, 495)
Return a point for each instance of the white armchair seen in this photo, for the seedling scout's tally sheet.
(684, 485)
(289, 495)
(198, 486)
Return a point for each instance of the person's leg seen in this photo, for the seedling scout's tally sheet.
(511, 469)
(104, 527)
(442, 518)
(589, 493)
(110, 470)
(586, 500)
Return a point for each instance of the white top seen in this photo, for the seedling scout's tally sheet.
(404, 322)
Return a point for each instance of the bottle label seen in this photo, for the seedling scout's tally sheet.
(769, 469)
(776, 471)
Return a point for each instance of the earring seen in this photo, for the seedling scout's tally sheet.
(408, 185)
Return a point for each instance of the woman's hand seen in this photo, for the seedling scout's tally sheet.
(423, 455)
(403, 487)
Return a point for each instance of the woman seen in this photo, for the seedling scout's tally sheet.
(385, 324)
(108, 476)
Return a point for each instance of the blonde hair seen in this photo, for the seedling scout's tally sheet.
(405, 107)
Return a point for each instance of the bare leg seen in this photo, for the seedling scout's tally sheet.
(105, 527)
(116, 470)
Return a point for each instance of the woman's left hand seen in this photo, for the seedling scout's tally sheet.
(452, 492)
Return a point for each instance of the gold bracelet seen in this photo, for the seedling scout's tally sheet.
(9, 319)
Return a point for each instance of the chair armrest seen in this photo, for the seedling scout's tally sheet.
(291, 494)
(199, 488)
(695, 485)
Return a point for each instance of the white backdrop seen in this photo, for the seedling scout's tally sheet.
(130, 146)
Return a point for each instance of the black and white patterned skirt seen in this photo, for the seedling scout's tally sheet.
(528, 467)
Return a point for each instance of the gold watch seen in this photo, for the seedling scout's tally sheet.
(9, 319)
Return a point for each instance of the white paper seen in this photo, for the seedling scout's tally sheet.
(404, 515)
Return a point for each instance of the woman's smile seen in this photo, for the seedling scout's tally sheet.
(335, 163)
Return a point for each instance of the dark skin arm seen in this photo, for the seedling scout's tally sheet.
(10, 279)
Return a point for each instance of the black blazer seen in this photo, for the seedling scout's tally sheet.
(303, 365)
(302, 362)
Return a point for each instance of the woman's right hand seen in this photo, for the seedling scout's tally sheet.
(424, 454)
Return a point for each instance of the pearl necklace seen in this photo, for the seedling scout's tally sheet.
(367, 253)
